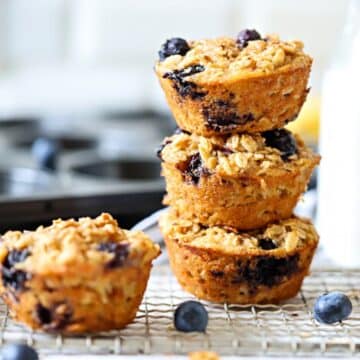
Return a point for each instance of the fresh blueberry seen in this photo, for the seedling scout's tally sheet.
(45, 152)
(174, 46)
(18, 352)
(332, 307)
(245, 36)
(282, 140)
(191, 316)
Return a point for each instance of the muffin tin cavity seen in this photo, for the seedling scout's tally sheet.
(121, 169)
(19, 125)
(24, 181)
(98, 163)
(65, 142)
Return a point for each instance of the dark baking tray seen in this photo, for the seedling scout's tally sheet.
(87, 181)
(127, 206)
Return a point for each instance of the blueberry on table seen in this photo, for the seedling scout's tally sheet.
(45, 152)
(332, 307)
(174, 46)
(18, 352)
(245, 36)
(191, 316)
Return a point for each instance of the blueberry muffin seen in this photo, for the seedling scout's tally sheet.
(222, 264)
(203, 355)
(75, 276)
(243, 181)
(227, 85)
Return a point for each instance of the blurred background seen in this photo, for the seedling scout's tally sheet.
(79, 74)
(67, 58)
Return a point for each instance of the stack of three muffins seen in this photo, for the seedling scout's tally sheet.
(233, 174)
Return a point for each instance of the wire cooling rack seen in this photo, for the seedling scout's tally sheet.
(285, 330)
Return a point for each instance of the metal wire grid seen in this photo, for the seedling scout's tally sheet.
(287, 330)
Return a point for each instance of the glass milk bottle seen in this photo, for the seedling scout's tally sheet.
(339, 177)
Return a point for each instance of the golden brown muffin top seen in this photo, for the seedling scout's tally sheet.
(285, 235)
(224, 60)
(68, 246)
(240, 154)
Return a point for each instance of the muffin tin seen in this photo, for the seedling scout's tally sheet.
(66, 142)
(22, 181)
(100, 168)
(124, 169)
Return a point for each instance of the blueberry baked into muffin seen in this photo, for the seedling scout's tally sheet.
(243, 180)
(227, 85)
(222, 264)
(75, 276)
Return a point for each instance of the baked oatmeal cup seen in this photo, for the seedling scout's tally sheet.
(75, 276)
(227, 85)
(243, 181)
(221, 264)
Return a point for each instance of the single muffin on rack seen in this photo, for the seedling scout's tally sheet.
(243, 181)
(228, 85)
(75, 276)
(221, 264)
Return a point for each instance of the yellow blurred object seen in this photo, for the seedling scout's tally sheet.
(308, 121)
(203, 355)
